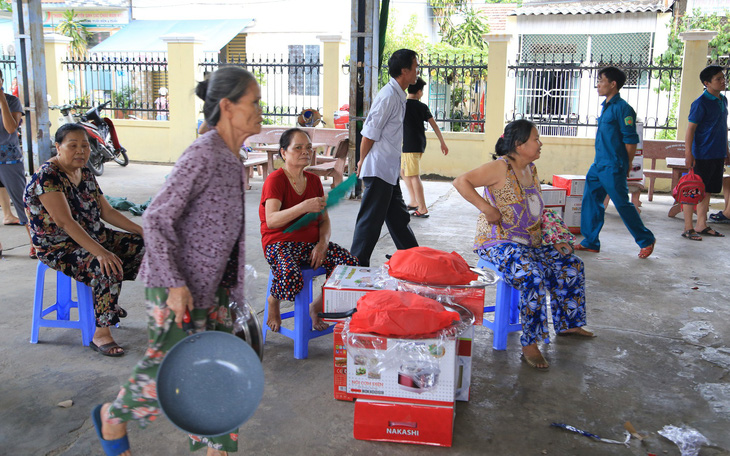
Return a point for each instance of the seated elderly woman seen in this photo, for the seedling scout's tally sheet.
(65, 208)
(288, 194)
(510, 236)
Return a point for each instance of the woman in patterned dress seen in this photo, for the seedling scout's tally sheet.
(195, 239)
(289, 193)
(65, 209)
(509, 235)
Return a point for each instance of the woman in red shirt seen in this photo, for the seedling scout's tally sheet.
(289, 193)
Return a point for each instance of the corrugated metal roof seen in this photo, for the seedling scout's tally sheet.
(87, 4)
(145, 36)
(594, 7)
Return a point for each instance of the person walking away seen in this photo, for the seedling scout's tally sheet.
(161, 105)
(414, 144)
(379, 164)
(706, 148)
(616, 141)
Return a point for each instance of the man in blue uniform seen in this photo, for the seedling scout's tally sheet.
(616, 141)
(706, 148)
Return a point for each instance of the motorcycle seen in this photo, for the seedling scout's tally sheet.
(103, 139)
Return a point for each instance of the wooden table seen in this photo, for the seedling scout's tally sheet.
(678, 167)
(273, 149)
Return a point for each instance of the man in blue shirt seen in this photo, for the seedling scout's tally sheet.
(706, 148)
(616, 141)
(379, 165)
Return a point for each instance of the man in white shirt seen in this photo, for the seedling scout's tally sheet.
(379, 165)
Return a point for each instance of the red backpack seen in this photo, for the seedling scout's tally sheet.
(690, 189)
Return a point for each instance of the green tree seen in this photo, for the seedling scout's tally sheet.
(5, 5)
(459, 24)
(75, 29)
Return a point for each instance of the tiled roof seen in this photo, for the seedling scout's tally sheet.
(496, 14)
(593, 7)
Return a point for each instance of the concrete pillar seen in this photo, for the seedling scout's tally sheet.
(496, 91)
(183, 55)
(332, 73)
(694, 60)
(56, 49)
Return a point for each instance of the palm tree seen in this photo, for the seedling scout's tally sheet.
(74, 28)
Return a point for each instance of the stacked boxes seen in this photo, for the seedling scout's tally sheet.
(574, 186)
(554, 198)
(345, 286)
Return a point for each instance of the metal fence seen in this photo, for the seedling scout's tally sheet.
(9, 68)
(132, 82)
(289, 85)
(560, 95)
(455, 90)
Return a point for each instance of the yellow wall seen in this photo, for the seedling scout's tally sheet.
(146, 140)
(560, 155)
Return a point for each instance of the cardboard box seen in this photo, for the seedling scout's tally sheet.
(401, 383)
(559, 209)
(345, 286)
(404, 423)
(339, 364)
(553, 196)
(573, 184)
(462, 384)
(572, 213)
(636, 173)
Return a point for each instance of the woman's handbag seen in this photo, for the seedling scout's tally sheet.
(554, 230)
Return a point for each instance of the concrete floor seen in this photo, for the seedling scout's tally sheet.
(662, 356)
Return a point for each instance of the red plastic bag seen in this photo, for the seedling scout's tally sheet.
(430, 266)
(400, 314)
(690, 189)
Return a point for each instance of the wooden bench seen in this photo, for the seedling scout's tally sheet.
(336, 168)
(657, 149)
(252, 161)
(331, 137)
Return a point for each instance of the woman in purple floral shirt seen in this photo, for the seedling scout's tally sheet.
(65, 208)
(194, 235)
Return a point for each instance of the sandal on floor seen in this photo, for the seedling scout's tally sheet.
(533, 362)
(719, 218)
(710, 232)
(106, 349)
(646, 251)
(581, 248)
(110, 447)
(692, 235)
(121, 312)
(419, 215)
(581, 333)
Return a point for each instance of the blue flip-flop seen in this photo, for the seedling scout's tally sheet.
(110, 447)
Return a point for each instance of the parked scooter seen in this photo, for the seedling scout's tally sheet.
(102, 136)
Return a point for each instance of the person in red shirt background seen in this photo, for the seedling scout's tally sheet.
(288, 194)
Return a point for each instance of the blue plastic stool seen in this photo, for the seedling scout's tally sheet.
(506, 309)
(302, 332)
(85, 305)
